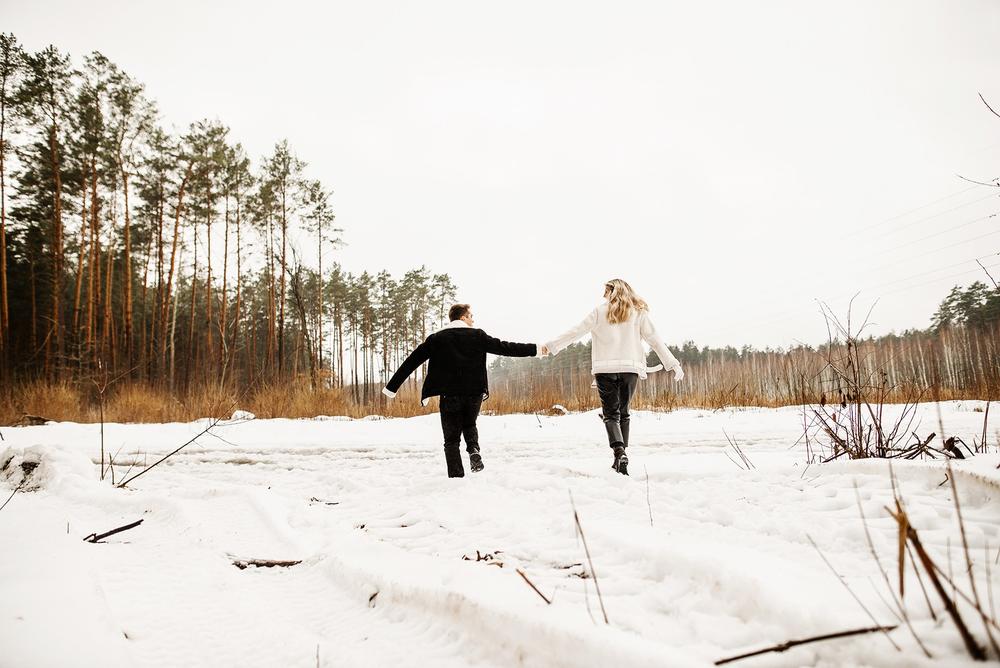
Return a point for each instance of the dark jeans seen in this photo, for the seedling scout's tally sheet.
(616, 390)
(458, 418)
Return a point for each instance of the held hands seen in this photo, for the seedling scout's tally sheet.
(678, 374)
(543, 350)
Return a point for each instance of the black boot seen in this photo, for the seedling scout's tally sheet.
(453, 457)
(621, 460)
(476, 461)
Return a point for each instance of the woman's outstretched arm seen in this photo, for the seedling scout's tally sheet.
(648, 333)
(571, 335)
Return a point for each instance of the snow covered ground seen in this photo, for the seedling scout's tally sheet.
(402, 566)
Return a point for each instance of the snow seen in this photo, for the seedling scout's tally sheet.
(402, 566)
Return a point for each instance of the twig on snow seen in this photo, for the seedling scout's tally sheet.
(920, 579)
(12, 494)
(975, 651)
(739, 451)
(170, 454)
(242, 564)
(989, 580)
(532, 585)
(590, 562)
(885, 575)
(785, 646)
(94, 537)
(204, 431)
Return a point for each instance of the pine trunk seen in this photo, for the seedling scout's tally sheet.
(54, 342)
(165, 304)
(127, 281)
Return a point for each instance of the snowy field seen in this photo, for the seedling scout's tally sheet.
(401, 566)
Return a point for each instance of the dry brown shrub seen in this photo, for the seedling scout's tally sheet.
(138, 403)
(54, 401)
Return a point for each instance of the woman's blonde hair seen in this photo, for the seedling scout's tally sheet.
(621, 300)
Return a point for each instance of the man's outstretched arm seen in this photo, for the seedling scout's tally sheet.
(495, 346)
(409, 365)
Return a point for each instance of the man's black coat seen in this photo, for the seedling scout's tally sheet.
(457, 361)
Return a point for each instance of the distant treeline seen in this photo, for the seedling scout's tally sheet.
(131, 254)
(957, 356)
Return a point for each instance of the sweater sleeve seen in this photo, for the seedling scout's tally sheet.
(409, 365)
(495, 346)
(585, 326)
(648, 333)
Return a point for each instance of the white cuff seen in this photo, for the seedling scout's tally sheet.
(388, 392)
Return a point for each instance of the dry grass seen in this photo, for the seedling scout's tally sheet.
(136, 402)
(58, 401)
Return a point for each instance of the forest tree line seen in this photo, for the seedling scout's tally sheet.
(130, 253)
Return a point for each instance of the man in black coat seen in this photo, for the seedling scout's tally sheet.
(457, 372)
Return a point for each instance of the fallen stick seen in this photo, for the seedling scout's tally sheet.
(532, 585)
(242, 564)
(12, 494)
(590, 562)
(93, 538)
(975, 651)
(785, 646)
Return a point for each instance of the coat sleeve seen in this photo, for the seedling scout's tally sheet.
(648, 333)
(495, 346)
(586, 325)
(409, 365)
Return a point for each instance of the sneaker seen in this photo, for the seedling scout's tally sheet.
(621, 461)
(476, 462)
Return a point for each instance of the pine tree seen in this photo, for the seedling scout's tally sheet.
(11, 70)
(44, 100)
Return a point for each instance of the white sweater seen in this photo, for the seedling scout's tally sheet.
(617, 348)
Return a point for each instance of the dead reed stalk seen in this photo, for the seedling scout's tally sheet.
(590, 562)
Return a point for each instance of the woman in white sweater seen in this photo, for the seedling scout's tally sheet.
(617, 328)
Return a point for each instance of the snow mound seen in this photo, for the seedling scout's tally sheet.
(333, 418)
(42, 467)
(373, 418)
(243, 415)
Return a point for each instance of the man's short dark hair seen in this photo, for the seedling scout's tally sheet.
(458, 311)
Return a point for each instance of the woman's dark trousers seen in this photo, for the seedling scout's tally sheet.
(616, 390)
(458, 418)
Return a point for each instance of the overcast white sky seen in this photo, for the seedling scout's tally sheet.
(734, 161)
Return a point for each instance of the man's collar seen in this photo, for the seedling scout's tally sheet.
(456, 323)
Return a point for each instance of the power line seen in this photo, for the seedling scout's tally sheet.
(789, 313)
(779, 315)
(936, 215)
(915, 209)
(941, 278)
(951, 229)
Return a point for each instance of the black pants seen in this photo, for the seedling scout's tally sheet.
(458, 418)
(616, 390)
